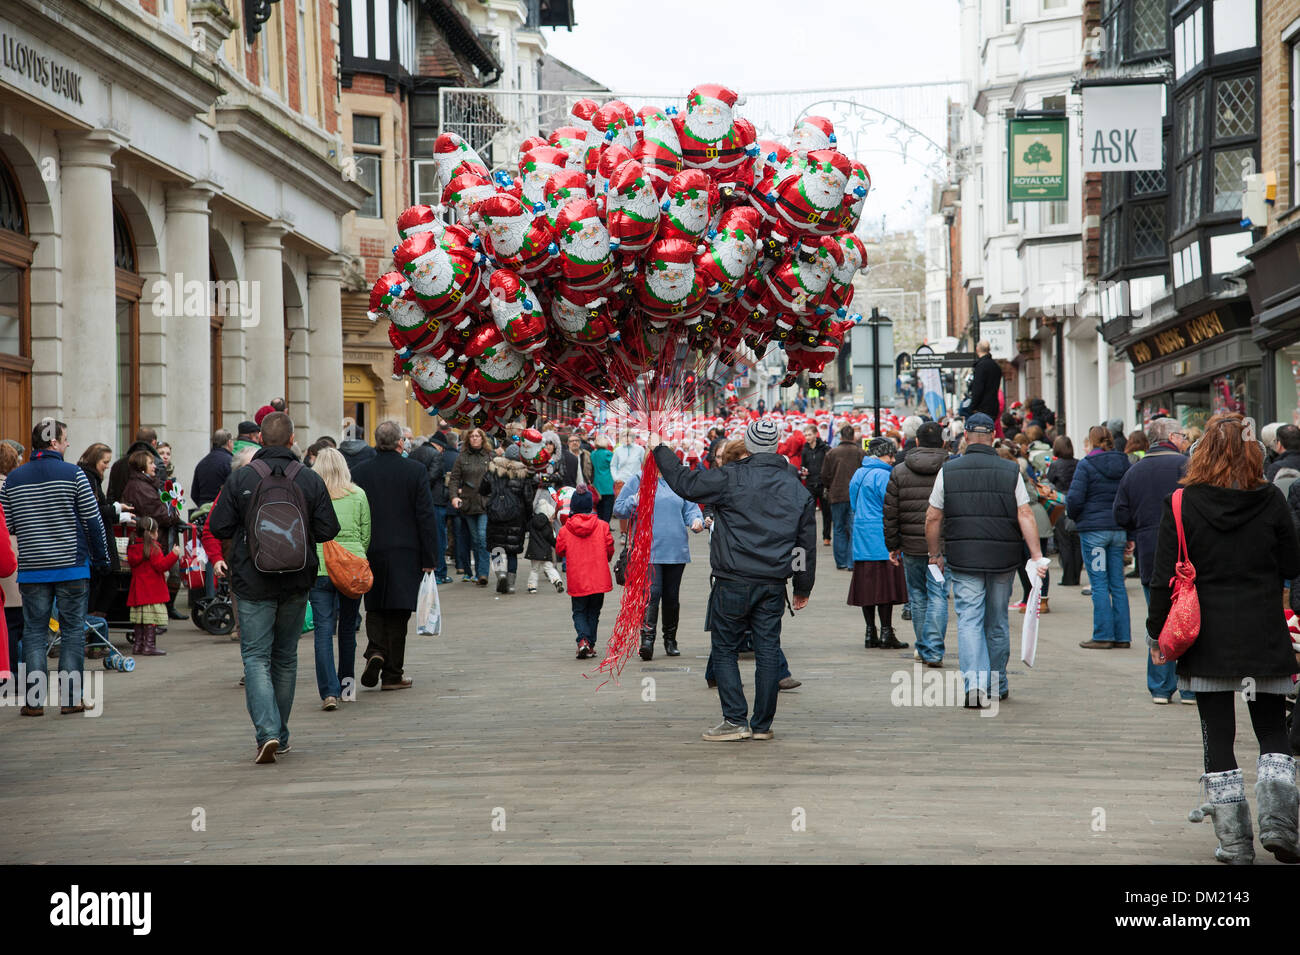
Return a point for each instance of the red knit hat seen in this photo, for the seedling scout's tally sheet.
(262, 412)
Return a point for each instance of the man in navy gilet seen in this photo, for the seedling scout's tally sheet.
(979, 508)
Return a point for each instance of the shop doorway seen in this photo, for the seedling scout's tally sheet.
(15, 311)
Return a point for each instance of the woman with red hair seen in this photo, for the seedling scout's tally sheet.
(1241, 540)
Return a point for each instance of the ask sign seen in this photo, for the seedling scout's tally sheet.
(1121, 127)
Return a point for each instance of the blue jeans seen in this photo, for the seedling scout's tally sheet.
(983, 634)
(929, 600)
(38, 599)
(586, 616)
(331, 612)
(738, 608)
(842, 525)
(460, 530)
(440, 523)
(1162, 678)
(477, 524)
(268, 642)
(1103, 556)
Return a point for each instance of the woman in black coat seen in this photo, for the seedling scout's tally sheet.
(402, 541)
(507, 490)
(1242, 542)
(1059, 474)
(94, 464)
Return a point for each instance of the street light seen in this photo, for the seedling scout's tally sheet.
(876, 322)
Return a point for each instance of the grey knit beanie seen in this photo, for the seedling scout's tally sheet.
(761, 436)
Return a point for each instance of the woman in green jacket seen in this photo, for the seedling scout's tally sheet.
(602, 478)
(330, 609)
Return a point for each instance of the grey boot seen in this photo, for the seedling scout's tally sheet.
(1228, 809)
(510, 582)
(1279, 806)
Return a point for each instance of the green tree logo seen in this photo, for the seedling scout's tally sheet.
(1037, 154)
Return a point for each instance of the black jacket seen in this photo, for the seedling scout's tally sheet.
(209, 475)
(1140, 500)
(1243, 546)
(434, 462)
(120, 472)
(1061, 472)
(227, 522)
(907, 498)
(466, 477)
(403, 535)
(108, 514)
(986, 380)
(1287, 459)
(508, 477)
(814, 455)
(766, 521)
(541, 538)
(981, 531)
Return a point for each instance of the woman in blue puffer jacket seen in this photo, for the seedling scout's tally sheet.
(878, 582)
(670, 552)
(1091, 503)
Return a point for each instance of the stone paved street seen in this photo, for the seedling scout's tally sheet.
(502, 719)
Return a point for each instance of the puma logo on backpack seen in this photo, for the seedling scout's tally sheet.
(276, 522)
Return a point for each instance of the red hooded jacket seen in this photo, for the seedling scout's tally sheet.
(148, 575)
(586, 545)
(792, 448)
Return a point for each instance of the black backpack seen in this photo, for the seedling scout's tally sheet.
(503, 506)
(276, 522)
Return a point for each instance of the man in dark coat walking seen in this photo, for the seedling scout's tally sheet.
(1139, 505)
(986, 382)
(213, 469)
(907, 498)
(430, 455)
(402, 538)
(814, 456)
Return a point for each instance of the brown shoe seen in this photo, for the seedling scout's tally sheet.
(934, 664)
(789, 683)
(1043, 606)
(266, 752)
(32, 711)
(1098, 644)
(79, 708)
(401, 684)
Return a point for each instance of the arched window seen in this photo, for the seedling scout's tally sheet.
(129, 286)
(15, 310)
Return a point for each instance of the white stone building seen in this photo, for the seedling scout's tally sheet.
(170, 208)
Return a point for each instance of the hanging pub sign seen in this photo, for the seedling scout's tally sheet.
(1038, 164)
(1122, 127)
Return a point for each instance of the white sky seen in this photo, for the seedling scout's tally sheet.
(766, 46)
(760, 45)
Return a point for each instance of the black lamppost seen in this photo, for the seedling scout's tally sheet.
(876, 322)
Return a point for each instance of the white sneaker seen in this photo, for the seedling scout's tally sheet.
(1160, 700)
(1183, 699)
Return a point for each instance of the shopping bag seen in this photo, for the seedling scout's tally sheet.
(308, 620)
(1029, 632)
(428, 609)
(194, 559)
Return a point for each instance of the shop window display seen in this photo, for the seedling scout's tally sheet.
(1288, 384)
(1236, 393)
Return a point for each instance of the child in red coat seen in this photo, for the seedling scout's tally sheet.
(586, 545)
(148, 597)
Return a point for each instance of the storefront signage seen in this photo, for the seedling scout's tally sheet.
(1038, 159)
(42, 70)
(1193, 332)
(1122, 127)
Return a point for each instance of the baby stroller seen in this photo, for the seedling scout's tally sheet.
(97, 638)
(215, 614)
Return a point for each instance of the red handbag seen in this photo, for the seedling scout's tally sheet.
(1183, 624)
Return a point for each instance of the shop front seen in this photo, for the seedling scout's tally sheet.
(1274, 286)
(1194, 368)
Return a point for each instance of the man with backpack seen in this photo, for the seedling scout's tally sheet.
(274, 512)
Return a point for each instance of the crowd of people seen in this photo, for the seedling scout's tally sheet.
(916, 516)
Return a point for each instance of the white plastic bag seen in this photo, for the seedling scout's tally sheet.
(1029, 632)
(428, 609)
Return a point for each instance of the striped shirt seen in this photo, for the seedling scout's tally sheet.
(51, 510)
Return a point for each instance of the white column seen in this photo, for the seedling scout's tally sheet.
(1103, 380)
(89, 332)
(188, 367)
(264, 324)
(325, 345)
